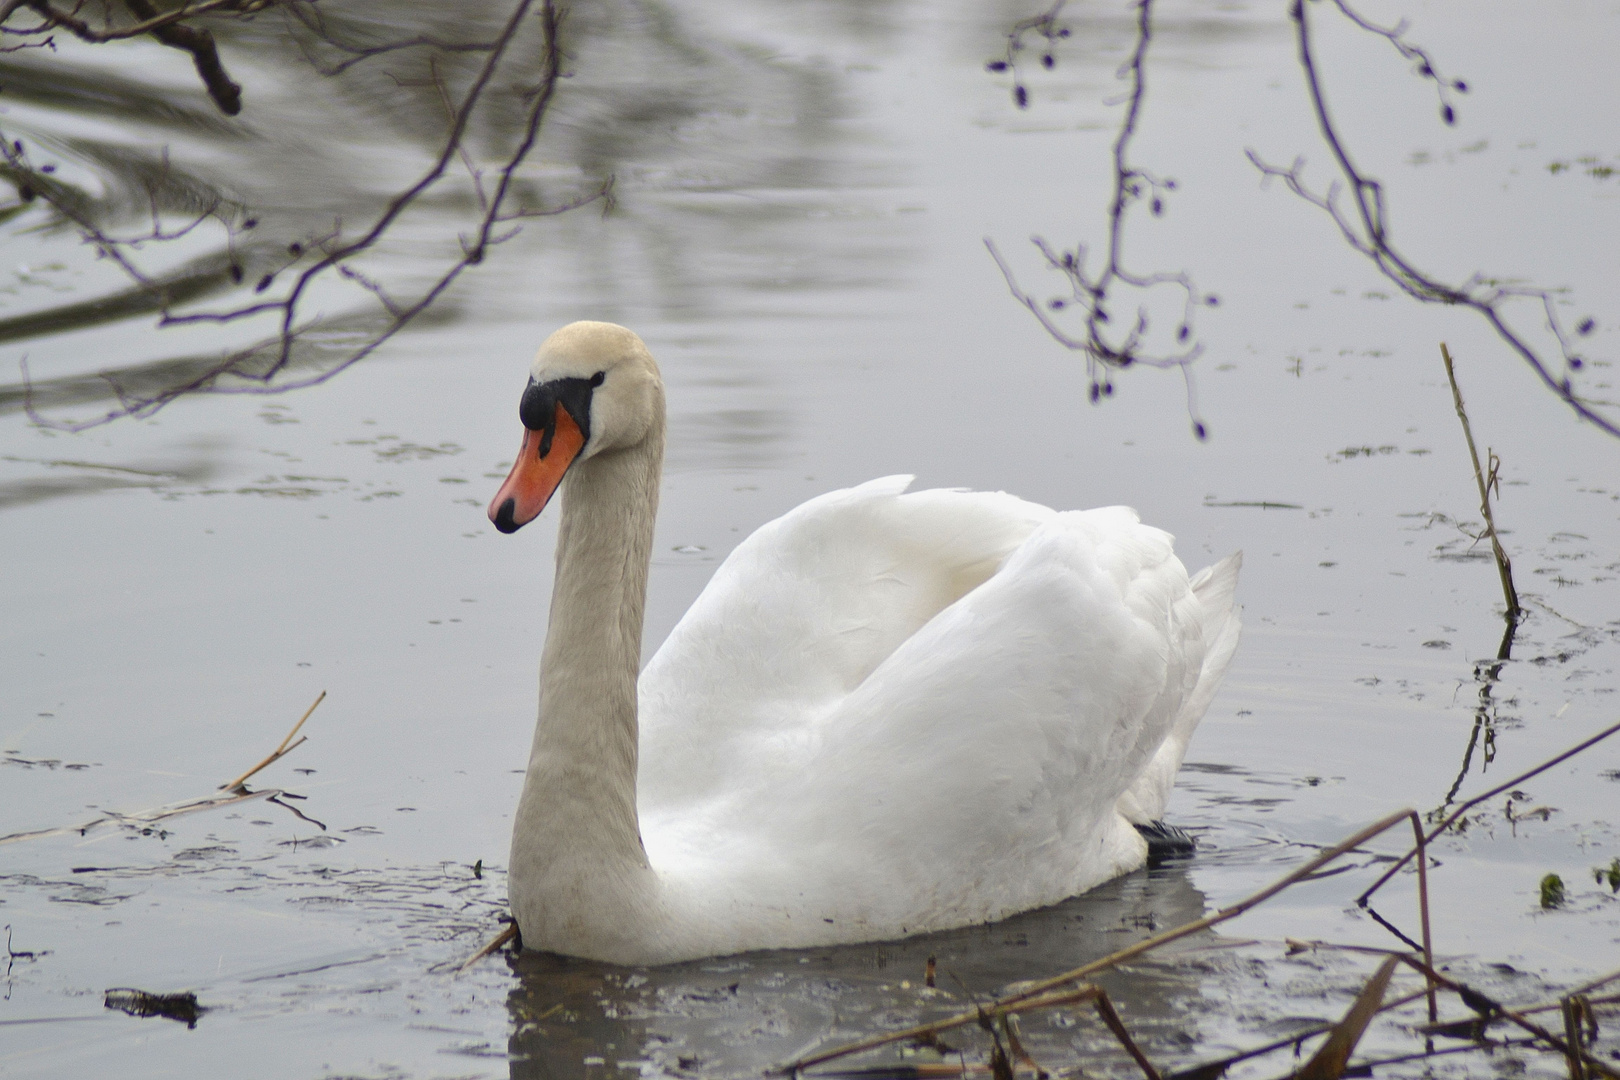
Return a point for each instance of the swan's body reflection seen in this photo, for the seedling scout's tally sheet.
(739, 1015)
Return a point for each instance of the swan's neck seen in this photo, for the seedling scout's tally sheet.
(577, 857)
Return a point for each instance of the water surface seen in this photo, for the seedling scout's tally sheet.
(804, 191)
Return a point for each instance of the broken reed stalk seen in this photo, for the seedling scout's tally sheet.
(1503, 568)
(495, 943)
(1361, 901)
(148, 817)
(1490, 1008)
(279, 752)
(1110, 1016)
(233, 792)
(1600, 981)
(1219, 1067)
(1575, 1010)
(1334, 1054)
(1033, 992)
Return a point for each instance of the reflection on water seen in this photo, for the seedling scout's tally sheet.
(738, 1016)
(720, 153)
(804, 190)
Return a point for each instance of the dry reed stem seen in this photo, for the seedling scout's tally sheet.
(1020, 1056)
(146, 817)
(1105, 1009)
(1611, 999)
(495, 943)
(1574, 1010)
(233, 793)
(1219, 1067)
(1492, 1009)
(1503, 568)
(281, 751)
(1042, 986)
(1331, 1057)
(1602, 980)
(1361, 901)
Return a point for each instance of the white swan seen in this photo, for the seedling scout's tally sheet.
(888, 713)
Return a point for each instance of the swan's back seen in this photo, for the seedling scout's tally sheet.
(912, 711)
(798, 616)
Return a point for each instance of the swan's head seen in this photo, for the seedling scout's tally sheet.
(593, 388)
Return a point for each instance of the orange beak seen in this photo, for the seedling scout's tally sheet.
(538, 470)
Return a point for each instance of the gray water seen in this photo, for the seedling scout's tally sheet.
(804, 191)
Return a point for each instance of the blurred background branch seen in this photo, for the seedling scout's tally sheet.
(475, 84)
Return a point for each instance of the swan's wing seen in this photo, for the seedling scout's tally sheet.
(1214, 587)
(798, 616)
(974, 772)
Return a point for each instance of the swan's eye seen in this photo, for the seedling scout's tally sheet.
(598, 378)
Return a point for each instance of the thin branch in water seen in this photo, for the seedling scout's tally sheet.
(229, 795)
(287, 746)
(493, 945)
(1488, 1007)
(1504, 569)
(307, 14)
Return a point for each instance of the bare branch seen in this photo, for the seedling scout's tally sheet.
(1367, 232)
(262, 367)
(168, 27)
(1107, 344)
(309, 16)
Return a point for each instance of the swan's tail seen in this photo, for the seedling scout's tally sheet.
(1214, 586)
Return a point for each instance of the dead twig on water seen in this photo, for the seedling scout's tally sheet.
(1487, 484)
(279, 752)
(230, 794)
(495, 944)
